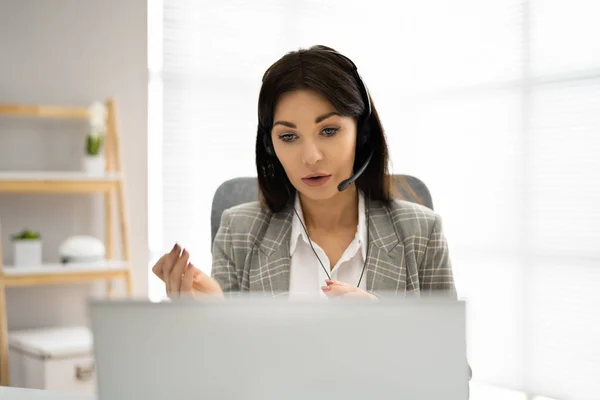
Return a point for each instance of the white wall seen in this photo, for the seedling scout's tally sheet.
(70, 52)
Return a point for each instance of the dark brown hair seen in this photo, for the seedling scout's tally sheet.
(321, 69)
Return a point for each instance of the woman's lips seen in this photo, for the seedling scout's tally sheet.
(317, 180)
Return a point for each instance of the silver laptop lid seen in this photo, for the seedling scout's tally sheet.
(257, 348)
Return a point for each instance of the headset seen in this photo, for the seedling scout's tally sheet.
(362, 138)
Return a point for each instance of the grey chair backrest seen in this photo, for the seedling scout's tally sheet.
(245, 189)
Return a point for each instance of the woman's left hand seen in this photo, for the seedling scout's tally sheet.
(336, 289)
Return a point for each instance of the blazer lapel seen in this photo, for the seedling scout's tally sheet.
(385, 268)
(273, 272)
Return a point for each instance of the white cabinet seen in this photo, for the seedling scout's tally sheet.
(58, 359)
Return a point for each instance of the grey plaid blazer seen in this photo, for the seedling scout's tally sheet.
(408, 251)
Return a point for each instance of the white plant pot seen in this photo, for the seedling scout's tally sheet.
(27, 252)
(94, 165)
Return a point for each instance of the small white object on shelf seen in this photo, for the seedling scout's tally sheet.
(59, 358)
(27, 249)
(81, 249)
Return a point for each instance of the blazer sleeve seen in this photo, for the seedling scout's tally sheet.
(435, 270)
(223, 262)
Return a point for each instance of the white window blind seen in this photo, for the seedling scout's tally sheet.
(494, 104)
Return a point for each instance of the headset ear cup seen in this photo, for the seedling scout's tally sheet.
(363, 136)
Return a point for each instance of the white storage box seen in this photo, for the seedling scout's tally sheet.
(57, 359)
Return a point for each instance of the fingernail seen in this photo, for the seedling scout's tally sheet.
(325, 288)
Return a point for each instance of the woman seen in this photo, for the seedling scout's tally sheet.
(327, 223)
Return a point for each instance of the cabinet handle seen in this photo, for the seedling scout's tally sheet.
(84, 373)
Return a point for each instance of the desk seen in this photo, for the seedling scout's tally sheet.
(10, 393)
(478, 392)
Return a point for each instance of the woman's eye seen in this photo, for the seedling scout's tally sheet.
(330, 131)
(287, 137)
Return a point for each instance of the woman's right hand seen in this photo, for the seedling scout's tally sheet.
(181, 278)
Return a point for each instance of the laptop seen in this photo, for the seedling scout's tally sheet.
(262, 349)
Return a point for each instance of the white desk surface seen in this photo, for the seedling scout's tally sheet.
(10, 393)
(478, 392)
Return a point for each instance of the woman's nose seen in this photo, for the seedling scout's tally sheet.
(311, 154)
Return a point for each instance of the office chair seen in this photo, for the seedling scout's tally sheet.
(245, 189)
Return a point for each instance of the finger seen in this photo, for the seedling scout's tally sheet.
(338, 284)
(187, 280)
(171, 259)
(201, 281)
(178, 270)
(335, 290)
(157, 268)
(330, 282)
(198, 279)
(168, 265)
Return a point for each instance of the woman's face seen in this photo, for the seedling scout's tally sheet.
(313, 142)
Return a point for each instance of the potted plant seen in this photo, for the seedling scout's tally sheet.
(27, 248)
(94, 163)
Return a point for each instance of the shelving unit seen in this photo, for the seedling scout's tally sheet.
(56, 182)
(68, 182)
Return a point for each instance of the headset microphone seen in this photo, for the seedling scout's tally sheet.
(347, 182)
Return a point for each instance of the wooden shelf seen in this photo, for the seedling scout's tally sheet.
(21, 110)
(49, 274)
(111, 185)
(56, 182)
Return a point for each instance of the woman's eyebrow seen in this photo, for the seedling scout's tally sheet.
(285, 123)
(317, 120)
(325, 116)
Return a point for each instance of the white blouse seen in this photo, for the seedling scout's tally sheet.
(306, 273)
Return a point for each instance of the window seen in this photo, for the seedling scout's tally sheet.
(495, 105)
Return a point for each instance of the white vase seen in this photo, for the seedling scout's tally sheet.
(27, 252)
(94, 165)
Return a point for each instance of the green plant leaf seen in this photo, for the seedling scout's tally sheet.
(26, 234)
(94, 144)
